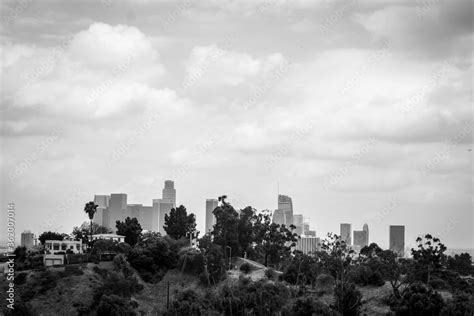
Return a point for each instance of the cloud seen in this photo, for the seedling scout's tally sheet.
(212, 65)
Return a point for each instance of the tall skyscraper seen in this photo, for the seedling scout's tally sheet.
(397, 239)
(346, 232)
(211, 204)
(27, 239)
(169, 192)
(360, 238)
(298, 222)
(286, 205)
(366, 229)
(279, 217)
(101, 217)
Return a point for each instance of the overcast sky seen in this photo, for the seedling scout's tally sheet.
(360, 110)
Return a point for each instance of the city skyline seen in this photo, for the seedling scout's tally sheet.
(358, 117)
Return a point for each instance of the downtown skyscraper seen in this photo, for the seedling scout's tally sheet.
(211, 204)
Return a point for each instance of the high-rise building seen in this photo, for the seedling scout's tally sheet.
(305, 228)
(279, 217)
(366, 229)
(298, 222)
(169, 192)
(102, 202)
(27, 239)
(397, 239)
(308, 245)
(286, 205)
(360, 238)
(346, 232)
(211, 204)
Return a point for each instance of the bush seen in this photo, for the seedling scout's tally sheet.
(270, 273)
(438, 284)
(418, 299)
(461, 304)
(21, 278)
(308, 306)
(324, 283)
(348, 300)
(114, 305)
(191, 261)
(189, 302)
(245, 268)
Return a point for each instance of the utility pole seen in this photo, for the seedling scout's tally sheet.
(168, 297)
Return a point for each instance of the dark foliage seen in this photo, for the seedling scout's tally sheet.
(178, 224)
(418, 299)
(131, 229)
(348, 300)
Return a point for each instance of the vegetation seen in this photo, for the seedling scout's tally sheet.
(272, 279)
(178, 224)
(131, 229)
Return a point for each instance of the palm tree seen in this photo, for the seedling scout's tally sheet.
(91, 208)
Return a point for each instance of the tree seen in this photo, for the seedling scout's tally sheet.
(179, 224)
(49, 235)
(131, 229)
(272, 240)
(428, 257)
(226, 228)
(246, 231)
(418, 299)
(82, 232)
(461, 263)
(91, 208)
(336, 256)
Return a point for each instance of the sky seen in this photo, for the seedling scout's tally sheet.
(361, 111)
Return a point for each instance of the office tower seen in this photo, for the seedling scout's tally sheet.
(164, 207)
(211, 204)
(101, 217)
(305, 228)
(360, 238)
(298, 222)
(366, 229)
(169, 192)
(286, 205)
(279, 217)
(346, 233)
(311, 233)
(117, 210)
(27, 239)
(308, 245)
(397, 239)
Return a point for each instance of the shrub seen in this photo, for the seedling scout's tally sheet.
(438, 284)
(308, 306)
(348, 300)
(461, 304)
(324, 283)
(189, 302)
(270, 273)
(418, 299)
(245, 268)
(21, 278)
(191, 261)
(114, 305)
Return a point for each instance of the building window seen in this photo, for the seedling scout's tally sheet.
(63, 246)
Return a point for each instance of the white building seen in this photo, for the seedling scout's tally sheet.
(114, 237)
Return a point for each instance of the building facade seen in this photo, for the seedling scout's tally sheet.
(27, 239)
(298, 222)
(286, 205)
(308, 245)
(211, 204)
(397, 239)
(360, 238)
(279, 217)
(346, 232)
(114, 207)
(366, 229)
